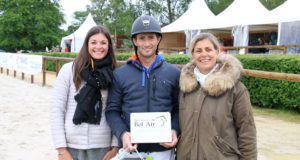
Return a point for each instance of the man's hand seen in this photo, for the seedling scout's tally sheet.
(127, 142)
(174, 141)
(63, 154)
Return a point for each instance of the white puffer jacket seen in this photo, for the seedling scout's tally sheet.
(65, 133)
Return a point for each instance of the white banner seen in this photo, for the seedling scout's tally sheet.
(30, 64)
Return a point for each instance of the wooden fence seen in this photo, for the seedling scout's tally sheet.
(15, 74)
(246, 72)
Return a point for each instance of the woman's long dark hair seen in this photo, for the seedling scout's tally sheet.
(83, 57)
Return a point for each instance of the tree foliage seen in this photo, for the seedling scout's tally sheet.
(217, 6)
(97, 9)
(271, 4)
(119, 17)
(79, 17)
(166, 11)
(116, 15)
(29, 24)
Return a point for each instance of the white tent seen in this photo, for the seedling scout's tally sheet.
(241, 17)
(194, 18)
(287, 12)
(252, 12)
(240, 12)
(76, 39)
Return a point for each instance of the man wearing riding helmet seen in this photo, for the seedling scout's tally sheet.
(146, 83)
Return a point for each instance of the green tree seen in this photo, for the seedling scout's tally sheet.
(79, 17)
(165, 10)
(175, 8)
(271, 4)
(97, 9)
(119, 17)
(30, 24)
(116, 15)
(217, 6)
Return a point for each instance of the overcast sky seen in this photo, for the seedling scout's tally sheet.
(69, 7)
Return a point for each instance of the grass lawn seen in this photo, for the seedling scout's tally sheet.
(290, 116)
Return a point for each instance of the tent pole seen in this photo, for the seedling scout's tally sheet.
(74, 42)
(190, 38)
(278, 34)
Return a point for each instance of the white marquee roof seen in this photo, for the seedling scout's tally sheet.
(79, 35)
(191, 18)
(240, 12)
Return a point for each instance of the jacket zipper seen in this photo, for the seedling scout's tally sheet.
(148, 94)
(154, 86)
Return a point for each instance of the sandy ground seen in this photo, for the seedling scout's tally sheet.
(24, 120)
(25, 130)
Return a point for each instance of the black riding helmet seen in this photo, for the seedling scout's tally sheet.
(145, 24)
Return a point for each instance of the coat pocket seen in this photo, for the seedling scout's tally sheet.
(224, 147)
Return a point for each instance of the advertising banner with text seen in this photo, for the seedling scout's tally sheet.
(29, 64)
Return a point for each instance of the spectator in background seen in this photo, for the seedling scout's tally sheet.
(271, 42)
(266, 49)
(67, 48)
(273, 38)
(222, 49)
(261, 43)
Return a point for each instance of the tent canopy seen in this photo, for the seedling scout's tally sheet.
(240, 12)
(76, 39)
(197, 14)
(239, 18)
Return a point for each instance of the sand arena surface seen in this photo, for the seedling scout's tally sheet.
(25, 129)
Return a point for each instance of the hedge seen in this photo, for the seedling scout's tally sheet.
(264, 92)
(273, 93)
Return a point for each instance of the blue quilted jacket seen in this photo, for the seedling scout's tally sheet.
(138, 89)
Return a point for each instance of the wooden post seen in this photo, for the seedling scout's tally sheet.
(15, 73)
(246, 51)
(23, 76)
(272, 75)
(190, 38)
(1, 69)
(32, 78)
(44, 71)
(57, 66)
(284, 50)
(7, 71)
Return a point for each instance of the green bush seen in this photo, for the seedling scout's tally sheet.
(264, 92)
(273, 93)
(123, 56)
